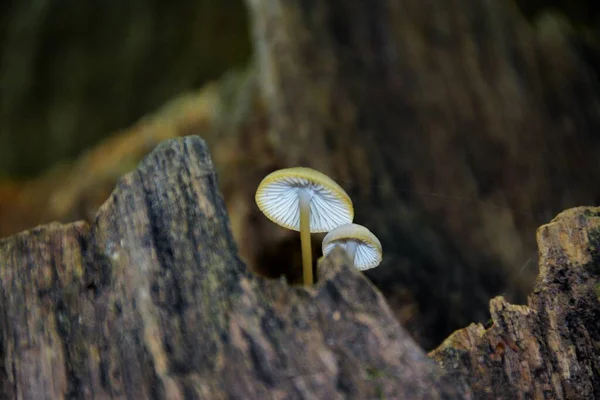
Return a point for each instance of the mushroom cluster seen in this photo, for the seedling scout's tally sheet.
(306, 200)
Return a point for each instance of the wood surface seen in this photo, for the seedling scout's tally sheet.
(549, 348)
(152, 301)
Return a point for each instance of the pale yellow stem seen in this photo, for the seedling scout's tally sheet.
(307, 272)
(351, 246)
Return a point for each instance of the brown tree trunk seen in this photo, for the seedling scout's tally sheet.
(457, 127)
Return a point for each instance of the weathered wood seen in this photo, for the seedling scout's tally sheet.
(549, 349)
(429, 114)
(152, 301)
(457, 127)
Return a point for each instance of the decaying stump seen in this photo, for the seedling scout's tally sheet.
(152, 301)
(458, 128)
(549, 349)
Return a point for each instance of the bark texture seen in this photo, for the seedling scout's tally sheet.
(152, 301)
(550, 348)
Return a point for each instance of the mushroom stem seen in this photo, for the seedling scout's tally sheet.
(351, 246)
(304, 200)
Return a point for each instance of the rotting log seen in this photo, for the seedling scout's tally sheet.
(549, 349)
(150, 300)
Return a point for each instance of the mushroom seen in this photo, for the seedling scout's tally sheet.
(304, 200)
(363, 248)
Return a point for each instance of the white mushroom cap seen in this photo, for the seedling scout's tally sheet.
(277, 197)
(368, 253)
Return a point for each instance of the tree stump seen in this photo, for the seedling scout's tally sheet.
(457, 128)
(549, 349)
(151, 301)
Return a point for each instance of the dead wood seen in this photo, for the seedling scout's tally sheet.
(549, 349)
(152, 301)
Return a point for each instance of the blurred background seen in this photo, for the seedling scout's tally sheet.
(458, 127)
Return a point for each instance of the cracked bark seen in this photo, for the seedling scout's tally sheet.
(152, 301)
(550, 348)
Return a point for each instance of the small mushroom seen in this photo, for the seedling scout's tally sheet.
(363, 248)
(304, 200)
